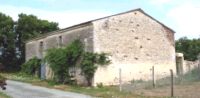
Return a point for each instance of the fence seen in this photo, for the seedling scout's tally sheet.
(180, 86)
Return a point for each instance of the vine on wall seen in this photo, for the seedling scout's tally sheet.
(61, 59)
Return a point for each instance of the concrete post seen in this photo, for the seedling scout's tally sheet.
(199, 64)
(179, 64)
(153, 77)
(120, 80)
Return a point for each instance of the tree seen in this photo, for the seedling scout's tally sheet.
(28, 27)
(189, 47)
(7, 50)
(14, 34)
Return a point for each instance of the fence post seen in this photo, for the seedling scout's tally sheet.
(199, 63)
(153, 77)
(120, 80)
(172, 83)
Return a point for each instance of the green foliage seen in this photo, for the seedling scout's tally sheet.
(88, 66)
(189, 47)
(61, 59)
(90, 63)
(56, 58)
(28, 27)
(74, 52)
(3, 95)
(7, 35)
(102, 59)
(31, 66)
(100, 85)
(13, 35)
(6, 31)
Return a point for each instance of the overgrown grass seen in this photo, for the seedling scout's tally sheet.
(191, 76)
(19, 76)
(2, 95)
(188, 78)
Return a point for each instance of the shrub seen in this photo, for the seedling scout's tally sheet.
(61, 59)
(31, 66)
(100, 85)
(90, 64)
(56, 58)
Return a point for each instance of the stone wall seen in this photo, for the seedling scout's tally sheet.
(184, 66)
(32, 50)
(84, 33)
(136, 42)
(58, 39)
(190, 65)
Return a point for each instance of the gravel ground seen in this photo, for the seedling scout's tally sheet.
(24, 90)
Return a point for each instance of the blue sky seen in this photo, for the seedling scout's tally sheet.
(180, 15)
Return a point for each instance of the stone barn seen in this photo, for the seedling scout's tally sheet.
(134, 40)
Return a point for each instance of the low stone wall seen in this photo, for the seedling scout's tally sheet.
(184, 66)
(189, 65)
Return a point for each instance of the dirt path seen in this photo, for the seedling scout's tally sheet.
(23, 90)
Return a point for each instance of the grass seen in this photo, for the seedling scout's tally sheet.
(102, 92)
(185, 86)
(113, 91)
(187, 78)
(2, 95)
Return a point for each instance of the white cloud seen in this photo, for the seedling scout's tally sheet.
(64, 18)
(160, 2)
(53, 2)
(187, 20)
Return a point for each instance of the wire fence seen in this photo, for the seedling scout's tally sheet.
(170, 86)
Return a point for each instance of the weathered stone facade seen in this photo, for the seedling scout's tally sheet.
(134, 40)
(57, 39)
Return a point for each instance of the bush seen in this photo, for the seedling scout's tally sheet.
(100, 85)
(31, 66)
(61, 59)
(56, 58)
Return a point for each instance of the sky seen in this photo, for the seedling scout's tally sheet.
(183, 16)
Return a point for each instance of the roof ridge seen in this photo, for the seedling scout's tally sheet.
(90, 21)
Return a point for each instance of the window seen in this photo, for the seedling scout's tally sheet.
(41, 47)
(60, 42)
